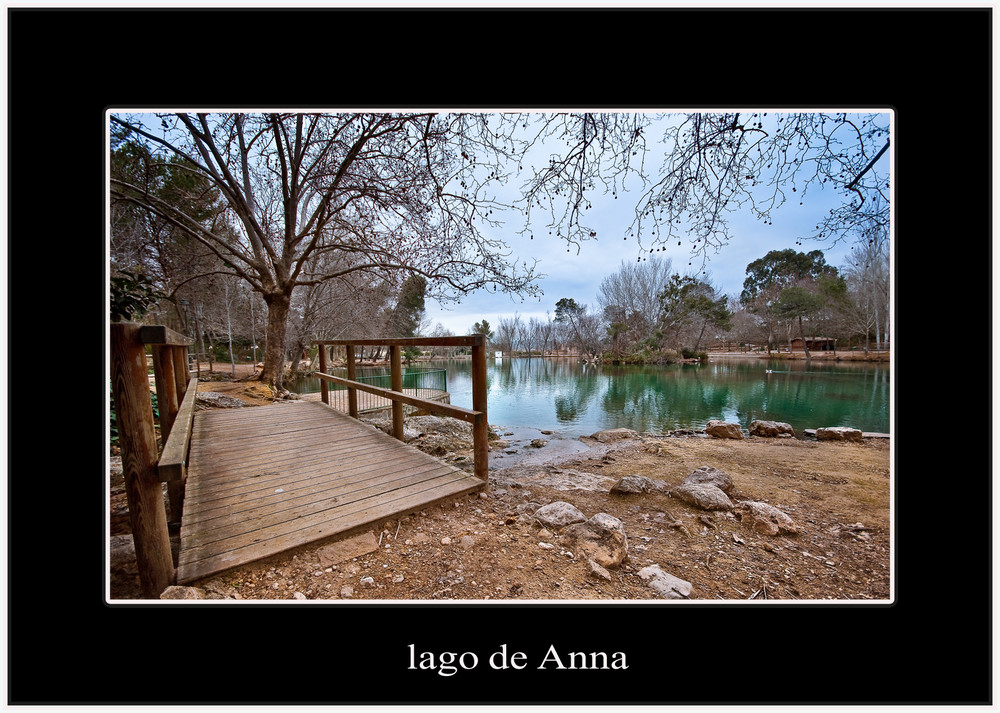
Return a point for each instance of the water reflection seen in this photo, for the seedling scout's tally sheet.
(576, 399)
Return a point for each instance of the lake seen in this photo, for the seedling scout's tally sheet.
(574, 399)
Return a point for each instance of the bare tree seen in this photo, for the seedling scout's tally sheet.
(866, 270)
(390, 194)
(630, 299)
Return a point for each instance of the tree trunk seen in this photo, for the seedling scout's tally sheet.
(805, 344)
(273, 372)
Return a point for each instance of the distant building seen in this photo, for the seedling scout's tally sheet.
(815, 344)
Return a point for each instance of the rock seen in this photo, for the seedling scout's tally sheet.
(346, 592)
(213, 399)
(614, 434)
(667, 585)
(368, 581)
(546, 433)
(467, 541)
(299, 595)
(178, 592)
(445, 541)
(343, 550)
(559, 514)
(707, 475)
(766, 519)
(703, 495)
(839, 433)
(539, 443)
(123, 554)
(721, 429)
(601, 538)
(636, 485)
(770, 429)
(598, 571)
(568, 479)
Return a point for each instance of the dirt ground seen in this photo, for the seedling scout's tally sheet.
(488, 546)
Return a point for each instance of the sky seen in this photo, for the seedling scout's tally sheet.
(578, 275)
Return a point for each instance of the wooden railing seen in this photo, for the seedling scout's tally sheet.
(142, 466)
(475, 416)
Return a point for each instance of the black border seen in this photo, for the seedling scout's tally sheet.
(933, 67)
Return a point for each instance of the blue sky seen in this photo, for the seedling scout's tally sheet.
(578, 276)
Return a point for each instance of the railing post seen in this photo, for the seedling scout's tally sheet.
(137, 439)
(396, 371)
(182, 372)
(480, 429)
(352, 393)
(324, 390)
(165, 360)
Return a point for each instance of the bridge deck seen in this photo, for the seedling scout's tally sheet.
(266, 479)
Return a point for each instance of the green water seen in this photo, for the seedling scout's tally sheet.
(576, 399)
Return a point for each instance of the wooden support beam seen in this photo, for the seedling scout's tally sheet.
(480, 429)
(137, 439)
(324, 390)
(396, 376)
(168, 400)
(352, 393)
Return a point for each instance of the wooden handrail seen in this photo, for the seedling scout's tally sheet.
(172, 465)
(476, 416)
(471, 340)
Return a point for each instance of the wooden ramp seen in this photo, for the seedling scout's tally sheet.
(265, 479)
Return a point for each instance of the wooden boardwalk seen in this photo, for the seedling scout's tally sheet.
(266, 479)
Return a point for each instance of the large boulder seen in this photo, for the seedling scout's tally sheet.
(702, 495)
(637, 485)
(771, 429)
(766, 519)
(614, 434)
(559, 514)
(839, 433)
(722, 429)
(601, 538)
(707, 475)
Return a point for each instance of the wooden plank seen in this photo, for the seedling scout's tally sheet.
(172, 466)
(288, 476)
(320, 486)
(334, 474)
(223, 526)
(403, 503)
(461, 341)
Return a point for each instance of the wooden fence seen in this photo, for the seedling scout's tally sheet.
(475, 416)
(144, 468)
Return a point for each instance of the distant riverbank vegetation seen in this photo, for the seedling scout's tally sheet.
(645, 313)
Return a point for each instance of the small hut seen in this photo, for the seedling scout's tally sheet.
(815, 344)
